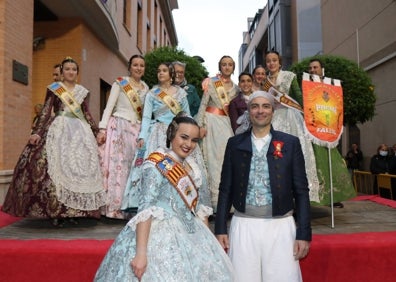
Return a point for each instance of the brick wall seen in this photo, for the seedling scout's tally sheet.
(15, 107)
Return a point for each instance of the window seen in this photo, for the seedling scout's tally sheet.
(126, 15)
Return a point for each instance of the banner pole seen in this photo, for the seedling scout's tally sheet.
(331, 188)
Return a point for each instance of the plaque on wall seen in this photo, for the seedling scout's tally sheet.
(20, 72)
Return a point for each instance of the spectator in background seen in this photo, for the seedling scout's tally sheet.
(393, 150)
(192, 95)
(354, 158)
(316, 68)
(56, 74)
(380, 163)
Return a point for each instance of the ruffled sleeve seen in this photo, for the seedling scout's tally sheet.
(144, 215)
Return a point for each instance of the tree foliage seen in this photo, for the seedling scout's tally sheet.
(358, 90)
(195, 71)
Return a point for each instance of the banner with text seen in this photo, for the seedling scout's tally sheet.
(323, 110)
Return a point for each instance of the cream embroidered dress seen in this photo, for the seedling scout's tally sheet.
(292, 121)
(218, 131)
(180, 246)
(73, 162)
(116, 155)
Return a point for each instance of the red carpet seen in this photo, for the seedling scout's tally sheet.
(351, 257)
(341, 257)
(377, 199)
(6, 219)
(51, 260)
(337, 257)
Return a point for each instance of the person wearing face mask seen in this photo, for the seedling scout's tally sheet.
(380, 163)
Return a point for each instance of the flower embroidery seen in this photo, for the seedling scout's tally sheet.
(278, 149)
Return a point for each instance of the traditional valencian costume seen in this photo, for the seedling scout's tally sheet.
(163, 107)
(180, 246)
(60, 177)
(122, 118)
(213, 115)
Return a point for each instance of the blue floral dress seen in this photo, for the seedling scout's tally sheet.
(180, 246)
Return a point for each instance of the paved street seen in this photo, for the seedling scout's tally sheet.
(356, 216)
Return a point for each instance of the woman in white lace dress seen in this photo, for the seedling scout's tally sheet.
(289, 119)
(169, 238)
(58, 174)
(213, 117)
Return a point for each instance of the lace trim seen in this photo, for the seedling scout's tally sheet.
(145, 215)
(79, 93)
(196, 175)
(73, 164)
(81, 201)
(204, 211)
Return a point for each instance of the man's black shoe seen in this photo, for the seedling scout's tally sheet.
(338, 205)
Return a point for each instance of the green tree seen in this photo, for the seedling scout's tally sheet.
(195, 71)
(358, 90)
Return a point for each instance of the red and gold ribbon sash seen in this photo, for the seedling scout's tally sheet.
(178, 177)
(282, 98)
(67, 99)
(221, 93)
(168, 100)
(132, 95)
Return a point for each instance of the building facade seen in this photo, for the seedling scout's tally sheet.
(101, 35)
(291, 27)
(363, 31)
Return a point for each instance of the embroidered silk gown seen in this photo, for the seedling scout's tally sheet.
(218, 131)
(116, 155)
(180, 247)
(60, 177)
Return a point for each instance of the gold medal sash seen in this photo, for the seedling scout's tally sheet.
(221, 93)
(282, 98)
(178, 177)
(67, 98)
(172, 104)
(132, 95)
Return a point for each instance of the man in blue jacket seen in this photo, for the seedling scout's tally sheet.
(263, 177)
